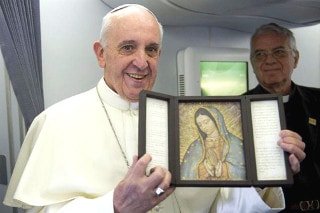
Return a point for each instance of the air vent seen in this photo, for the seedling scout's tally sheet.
(181, 88)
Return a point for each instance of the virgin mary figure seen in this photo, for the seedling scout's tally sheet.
(216, 154)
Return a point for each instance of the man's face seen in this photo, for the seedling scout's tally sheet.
(274, 70)
(131, 56)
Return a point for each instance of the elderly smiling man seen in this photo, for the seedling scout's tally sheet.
(80, 155)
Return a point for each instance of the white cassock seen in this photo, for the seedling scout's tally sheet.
(70, 162)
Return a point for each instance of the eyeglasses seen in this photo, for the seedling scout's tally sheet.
(262, 55)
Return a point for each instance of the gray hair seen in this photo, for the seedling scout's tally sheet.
(106, 22)
(272, 27)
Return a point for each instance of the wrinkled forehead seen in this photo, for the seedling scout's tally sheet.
(129, 18)
(131, 15)
(134, 17)
(270, 39)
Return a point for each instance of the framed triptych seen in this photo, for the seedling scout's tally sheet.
(215, 141)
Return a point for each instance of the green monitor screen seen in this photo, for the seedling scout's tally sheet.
(223, 78)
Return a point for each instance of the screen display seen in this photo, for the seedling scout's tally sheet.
(223, 78)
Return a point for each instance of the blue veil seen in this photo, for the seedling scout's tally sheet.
(195, 152)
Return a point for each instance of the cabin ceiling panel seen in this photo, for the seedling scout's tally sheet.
(244, 15)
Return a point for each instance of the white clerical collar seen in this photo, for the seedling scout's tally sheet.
(110, 97)
(285, 98)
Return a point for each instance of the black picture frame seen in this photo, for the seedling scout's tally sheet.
(169, 130)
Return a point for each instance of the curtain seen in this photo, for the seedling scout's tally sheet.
(20, 42)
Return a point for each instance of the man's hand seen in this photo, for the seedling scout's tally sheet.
(292, 142)
(136, 193)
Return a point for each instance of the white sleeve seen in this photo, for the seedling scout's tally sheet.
(103, 204)
(249, 199)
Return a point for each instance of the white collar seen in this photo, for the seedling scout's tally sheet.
(113, 99)
(285, 98)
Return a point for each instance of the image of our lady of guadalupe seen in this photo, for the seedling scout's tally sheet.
(216, 154)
